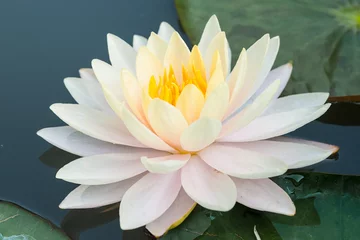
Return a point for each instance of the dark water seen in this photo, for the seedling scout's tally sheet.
(44, 41)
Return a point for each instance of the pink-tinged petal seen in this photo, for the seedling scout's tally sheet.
(216, 103)
(236, 80)
(139, 41)
(142, 133)
(132, 93)
(177, 55)
(147, 65)
(88, 74)
(255, 57)
(200, 134)
(157, 46)
(148, 199)
(212, 28)
(283, 73)
(109, 78)
(75, 142)
(264, 195)
(103, 169)
(241, 162)
(166, 31)
(87, 196)
(190, 102)
(167, 121)
(121, 54)
(252, 111)
(277, 124)
(87, 92)
(218, 44)
(206, 186)
(303, 100)
(95, 124)
(166, 164)
(174, 216)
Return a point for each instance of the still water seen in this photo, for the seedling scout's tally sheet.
(41, 43)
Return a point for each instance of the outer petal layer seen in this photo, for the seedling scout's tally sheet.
(208, 187)
(148, 199)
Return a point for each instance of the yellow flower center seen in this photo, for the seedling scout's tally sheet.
(169, 89)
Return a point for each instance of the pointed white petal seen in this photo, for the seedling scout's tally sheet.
(121, 54)
(147, 65)
(212, 28)
(216, 103)
(139, 41)
(218, 44)
(165, 31)
(157, 46)
(166, 164)
(88, 74)
(208, 187)
(148, 199)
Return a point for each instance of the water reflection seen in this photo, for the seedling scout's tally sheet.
(345, 114)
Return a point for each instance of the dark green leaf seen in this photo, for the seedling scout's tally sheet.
(17, 223)
(321, 37)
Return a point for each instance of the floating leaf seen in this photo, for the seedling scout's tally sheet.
(321, 37)
(17, 223)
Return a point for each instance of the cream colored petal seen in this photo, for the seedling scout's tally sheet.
(148, 199)
(197, 61)
(96, 124)
(121, 54)
(177, 55)
(165, 31)
(139, 41)
(212, 28)
(206, 186)
(242, 163)
(167, 121)
(250, 112)
(220, 44)
(109, 78)
(147, 65)
(157, 46)
(146, 99)
(216, 103)
(174, 216)
(88, 73)
(190, 102)
(142, 133)
(132, 93)
(217, 75)
(165, 164)
(200, 134)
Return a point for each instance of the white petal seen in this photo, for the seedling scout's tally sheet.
(87, 196)
(166, 164)
(208, 187)
(75, 142)
(242, 163)
(245, 116)
(220, 44)
(167, 121)
(274, 125)
(88, 74)
(139, 41)
(174, 216)
(103, 169)
(165, 31)
(147, 65)
(200, 134)
(109, 78)
(212, 28)
(148, 199)
(324, 146)
(121, 54)
(87, 92)
(216, 103)
(95, 124)
(283, 73)
(296, 101)
(157, 46)
(142, 133)
(177, 55)
(264, 195)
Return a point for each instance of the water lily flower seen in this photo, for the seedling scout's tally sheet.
(164, 128)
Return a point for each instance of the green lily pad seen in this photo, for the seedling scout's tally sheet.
(327, 208)
(321, 37)
(17, 223)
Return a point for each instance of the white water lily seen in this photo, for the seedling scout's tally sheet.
(164, 128)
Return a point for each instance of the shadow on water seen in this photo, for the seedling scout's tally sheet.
(345, 114)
